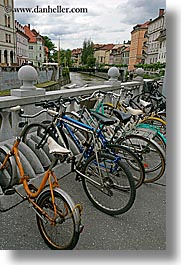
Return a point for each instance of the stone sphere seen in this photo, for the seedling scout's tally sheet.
(113, 72)
(27, 73)
(139, 71)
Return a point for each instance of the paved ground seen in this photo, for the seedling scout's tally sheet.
(143, 227)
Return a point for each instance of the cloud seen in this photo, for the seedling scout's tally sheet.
(105, 21)
(139, 11)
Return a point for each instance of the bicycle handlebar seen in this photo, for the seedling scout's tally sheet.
(21, 112)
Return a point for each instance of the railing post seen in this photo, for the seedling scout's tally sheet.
(28, 75)
(113, 73)
(5, 128)
(139, 72)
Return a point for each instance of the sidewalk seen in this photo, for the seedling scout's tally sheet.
(143, 227)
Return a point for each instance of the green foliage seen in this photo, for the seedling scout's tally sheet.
(153, 66)
(51, 47)
(65, 72)
(48, 43)
(88, 53)
(4, 93)
(91, 61)
(65, 57)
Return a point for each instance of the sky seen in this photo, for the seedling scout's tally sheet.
(108, 21)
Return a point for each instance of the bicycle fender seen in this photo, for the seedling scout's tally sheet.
(75, 210)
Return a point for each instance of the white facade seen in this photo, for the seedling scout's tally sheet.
(22, 44)
(156, 51)
(36, 52)
(7, 34)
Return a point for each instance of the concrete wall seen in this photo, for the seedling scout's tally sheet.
(9, 80)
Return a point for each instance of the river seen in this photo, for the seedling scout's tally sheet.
(82, 79)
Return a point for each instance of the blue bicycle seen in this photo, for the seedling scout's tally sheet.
(106, 180)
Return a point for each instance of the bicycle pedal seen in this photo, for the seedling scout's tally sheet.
(78, 178)
(71, 159)
(10, 191)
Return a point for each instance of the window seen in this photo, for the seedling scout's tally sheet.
(30, 47)
(6, 21)
(7, 38)
(6, 2)
(9, 22)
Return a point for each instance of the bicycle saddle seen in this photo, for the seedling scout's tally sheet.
(156, 98)
(55, 148)
(102, 118)
(124, 117)
(145, 103)
(134, 111)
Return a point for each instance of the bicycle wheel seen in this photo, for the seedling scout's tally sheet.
(149, 152)
(62, 234)
(149, 131)
(156, 122)
(131, 161)
(43, 130)
(6, 173)
(107, 184)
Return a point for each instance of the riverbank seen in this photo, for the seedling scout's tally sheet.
(96, 74)
(82, 79)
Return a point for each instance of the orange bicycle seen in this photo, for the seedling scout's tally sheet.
(58, 217)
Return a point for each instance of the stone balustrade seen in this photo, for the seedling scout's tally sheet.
(34, 162)
(28, 95)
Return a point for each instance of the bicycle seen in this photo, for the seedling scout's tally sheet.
(106, 180)
(58, 217)
(153, 124)
(147, 150)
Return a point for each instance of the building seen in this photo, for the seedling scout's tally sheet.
(7, 34)
(120, 54)
(36, 51)
(21, 44)
(156, 51)
(138, 40)
(76, 57)
(103, 54)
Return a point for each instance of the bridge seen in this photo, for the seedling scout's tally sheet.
(34, 162)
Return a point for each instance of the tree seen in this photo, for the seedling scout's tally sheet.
(51, 46)
(65, 57)
(88, 53)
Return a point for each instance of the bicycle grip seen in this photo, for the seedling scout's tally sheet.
(16, 108)
(52, 112)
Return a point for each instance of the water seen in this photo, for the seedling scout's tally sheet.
(82, 79)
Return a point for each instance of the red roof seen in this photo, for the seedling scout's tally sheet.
(32, 34)
(76, 51)
(46, 49)
(127, 49)
(107, 47)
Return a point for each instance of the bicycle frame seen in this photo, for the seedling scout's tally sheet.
(24, 179)
(86, 151)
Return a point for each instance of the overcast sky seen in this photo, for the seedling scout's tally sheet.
(108, 21)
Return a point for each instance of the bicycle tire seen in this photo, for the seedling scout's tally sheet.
(151, 132)
(63, 234)
(149, 152)
(104, 197)
(156, 122)
(131, 160)
(40, 129)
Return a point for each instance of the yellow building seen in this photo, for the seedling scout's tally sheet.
(102, 53)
